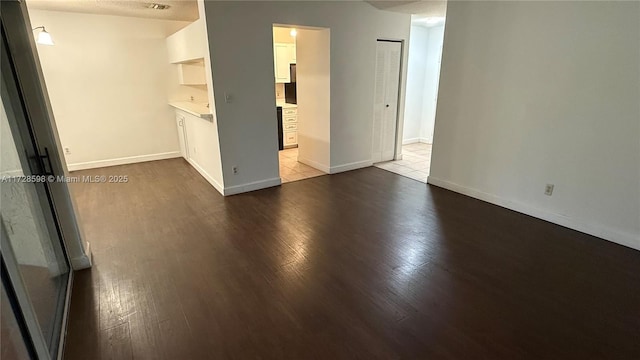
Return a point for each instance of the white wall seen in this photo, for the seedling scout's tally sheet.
(240, 35)
(431, 80)
(425, 51)
(313, 90)
(415, 83)
(108, 78)
(544, 92)
(283, 35)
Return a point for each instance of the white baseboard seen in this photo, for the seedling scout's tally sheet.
(85, 261)
(350, 166)
(416, 140)
(206, 176)
(252, 186)
(122, 161)
(314, 164)
(626, 239)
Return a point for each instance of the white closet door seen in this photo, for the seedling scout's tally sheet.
(385, 111)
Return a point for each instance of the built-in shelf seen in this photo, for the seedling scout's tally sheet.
(192, 73)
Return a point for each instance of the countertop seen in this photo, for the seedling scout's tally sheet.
(285, 105)
(197, 109)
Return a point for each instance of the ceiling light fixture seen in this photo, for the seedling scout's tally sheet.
(44, 38)
(156, 6)
(293, 32)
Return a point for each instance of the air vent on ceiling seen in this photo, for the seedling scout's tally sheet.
(156, 6)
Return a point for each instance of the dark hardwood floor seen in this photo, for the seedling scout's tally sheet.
(360, 265)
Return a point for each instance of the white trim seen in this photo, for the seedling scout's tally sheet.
(252, 186)
(410, 141)
(206, 176)
(84, 261)
(314, 164)
(422, 140)
(350, 166)
(123, 161)
(598, 230)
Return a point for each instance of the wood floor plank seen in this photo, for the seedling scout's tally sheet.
(365, 264)
(116, 343)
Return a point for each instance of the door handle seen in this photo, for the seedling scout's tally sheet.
(46, 160)
(42, 162)
(387, 105)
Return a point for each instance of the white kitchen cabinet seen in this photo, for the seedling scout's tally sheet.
(290, 138)
(283, 56)
(188, 44)
(182, 136)
(290, 112)
(192, 74)
(290, 127)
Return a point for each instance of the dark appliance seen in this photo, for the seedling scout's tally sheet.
(280, 134)
(290, 93)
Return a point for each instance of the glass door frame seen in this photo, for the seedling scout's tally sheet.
(27, 93)
(16, 108)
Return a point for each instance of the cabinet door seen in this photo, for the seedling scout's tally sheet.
(282, 57)
(182, 136)
(291, 138)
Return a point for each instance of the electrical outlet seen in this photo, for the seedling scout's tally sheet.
(227, 97)
(548, 189)
(67, 151)
(235, 170)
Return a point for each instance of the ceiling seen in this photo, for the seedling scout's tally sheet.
(186, 10)
(426, 8)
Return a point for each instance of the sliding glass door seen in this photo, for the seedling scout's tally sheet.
(36, 271)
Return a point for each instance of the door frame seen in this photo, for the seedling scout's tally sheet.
(26, 317)
(397, 152)
(15, 21)
(17, 37)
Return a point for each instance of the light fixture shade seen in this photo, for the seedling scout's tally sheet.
(293, 32)
(44, 38)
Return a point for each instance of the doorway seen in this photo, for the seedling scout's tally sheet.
(386, 97)
(423, 71)
(301, 69)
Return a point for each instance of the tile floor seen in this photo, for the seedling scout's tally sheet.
(292, 170)
(415, 163)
